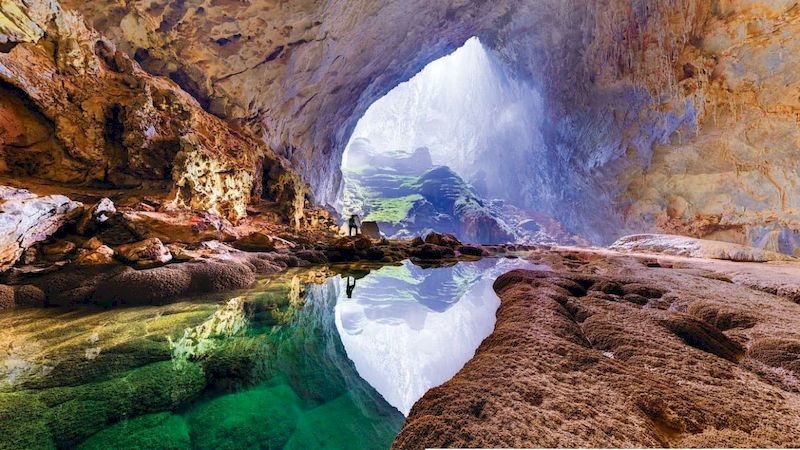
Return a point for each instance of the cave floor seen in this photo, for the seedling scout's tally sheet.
(592, 347)
(628, 350)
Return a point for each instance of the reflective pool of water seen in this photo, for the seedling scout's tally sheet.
(308, 359)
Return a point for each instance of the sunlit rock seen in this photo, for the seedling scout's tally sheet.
(26, 219)
(696, 248)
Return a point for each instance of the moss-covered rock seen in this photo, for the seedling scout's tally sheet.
(163, 431)
(23, 424)
(76, 369)
(260, 418)
(79, 412)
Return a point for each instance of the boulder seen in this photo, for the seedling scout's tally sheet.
(100, 255)
(26, 219)
(371, 230)
(362, 243)
(146, 253)
(6, 297)
(29, 295)
(93, 243)
(189, 227)
(445, 240)
(25, 295)
(255, 242)
(97, 215)
(59, 249)
(430, 251)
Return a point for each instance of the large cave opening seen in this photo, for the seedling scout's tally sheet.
(446, 150)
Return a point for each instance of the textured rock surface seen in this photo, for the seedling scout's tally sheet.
(618, 351)
(26, 219)
(75, 110)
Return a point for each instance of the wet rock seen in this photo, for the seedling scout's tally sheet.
(147, 253)
(470, 250)
(6, 297)
(20, 296)
(430, 251)
(29, 296)
(312, 256)
(26, 219)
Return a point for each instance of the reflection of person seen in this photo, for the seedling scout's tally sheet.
(352, 225)
(350, 287)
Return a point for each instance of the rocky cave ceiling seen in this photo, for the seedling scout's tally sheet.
(674, 115)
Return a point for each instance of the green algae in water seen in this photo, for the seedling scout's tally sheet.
(163, 431)
(281, 379)
(265, 417)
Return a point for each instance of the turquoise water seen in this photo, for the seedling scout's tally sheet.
(309, 359)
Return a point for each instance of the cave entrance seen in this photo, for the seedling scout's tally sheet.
(443, 152)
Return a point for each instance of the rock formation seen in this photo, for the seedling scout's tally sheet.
(617, 351)
(26, 219)
(75, 110)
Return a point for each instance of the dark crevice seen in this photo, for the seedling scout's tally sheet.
(189, 85)
(114, 135)
(6, 47)
(107, 55)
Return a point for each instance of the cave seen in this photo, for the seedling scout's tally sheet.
(361, 224)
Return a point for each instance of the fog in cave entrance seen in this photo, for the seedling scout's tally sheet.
(446, 151)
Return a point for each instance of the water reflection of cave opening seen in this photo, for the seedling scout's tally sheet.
(455, 140)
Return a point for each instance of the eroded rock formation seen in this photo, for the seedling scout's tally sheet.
(75, 110)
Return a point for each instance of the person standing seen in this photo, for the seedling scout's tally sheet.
(353, 226)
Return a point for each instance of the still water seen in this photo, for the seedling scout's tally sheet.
(329, 358)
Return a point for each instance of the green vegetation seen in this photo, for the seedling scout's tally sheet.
(22, 423)
(380, 197)
(390, 210)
